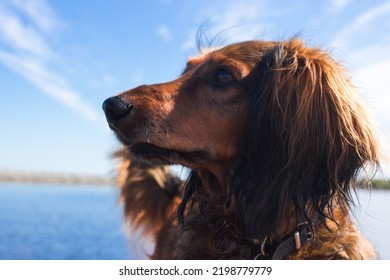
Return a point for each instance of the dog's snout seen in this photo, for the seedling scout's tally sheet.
(116, 108)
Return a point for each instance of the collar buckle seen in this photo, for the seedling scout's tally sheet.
(292, 242)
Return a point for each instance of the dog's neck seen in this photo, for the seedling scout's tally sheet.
(289, 236)
(215, 176)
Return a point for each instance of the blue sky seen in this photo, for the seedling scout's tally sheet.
(59, 60)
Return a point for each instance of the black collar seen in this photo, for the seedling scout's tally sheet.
(289, 244)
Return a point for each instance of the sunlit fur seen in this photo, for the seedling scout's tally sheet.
(281, 144)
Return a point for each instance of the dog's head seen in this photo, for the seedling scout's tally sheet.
(196, 120)
(277, 123)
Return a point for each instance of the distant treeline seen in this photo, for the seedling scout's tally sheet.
(52, 178)
(375, 184)
(72, 179)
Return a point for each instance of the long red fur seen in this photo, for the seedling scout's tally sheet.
(313, 136)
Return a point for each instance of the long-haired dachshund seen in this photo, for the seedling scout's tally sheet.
(274, 135)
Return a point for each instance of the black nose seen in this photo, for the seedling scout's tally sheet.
(116, 108)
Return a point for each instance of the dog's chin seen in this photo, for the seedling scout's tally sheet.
(155, 155)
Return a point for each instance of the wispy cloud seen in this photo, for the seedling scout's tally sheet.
(237, 13)
(51, 84)
(165, 33)
(368, 21)
(338, 5)
(40, 13)
(370, 66)
(240, 20)
(19, 36)
(373, 81)
(373, 13)
(25, 26)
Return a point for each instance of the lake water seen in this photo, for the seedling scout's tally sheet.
(59, 222)
(373, 219)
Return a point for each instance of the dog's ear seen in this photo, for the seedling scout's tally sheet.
(149, 193)
(308, 135)
(323, 121)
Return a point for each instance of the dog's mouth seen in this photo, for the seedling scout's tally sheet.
(151, 153)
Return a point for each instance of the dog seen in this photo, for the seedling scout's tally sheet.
(274, 135)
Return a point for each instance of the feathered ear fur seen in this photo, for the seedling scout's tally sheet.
(308, 135)
(150, 193)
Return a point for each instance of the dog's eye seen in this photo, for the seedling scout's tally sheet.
(222, 78)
